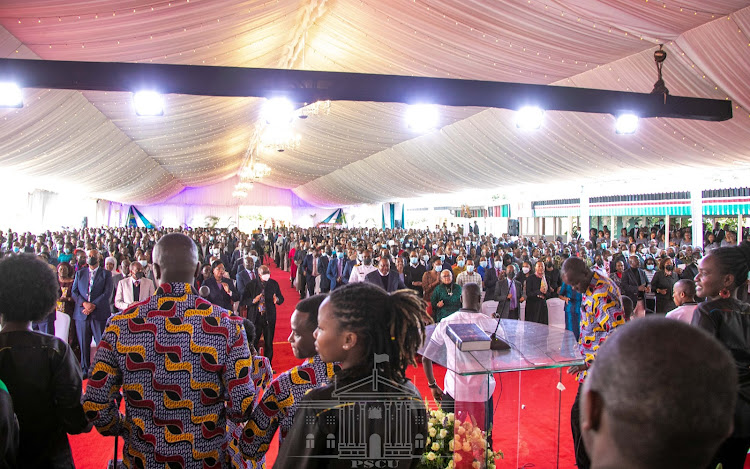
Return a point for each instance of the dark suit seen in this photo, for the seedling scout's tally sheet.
(325, 283)
(350, 264)
(307, 267)
(414, 274)
(265, 323)
(490, 281)
(536, 308)
(244, 277)
(502, 288)
(630, 283)
(93, 324)
(218, 296)
(332, 272)
(394, 280)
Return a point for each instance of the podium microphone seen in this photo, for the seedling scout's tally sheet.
(497, 343)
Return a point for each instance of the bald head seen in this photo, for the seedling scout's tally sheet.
(176, 259)
(660, 394)
(471, 296)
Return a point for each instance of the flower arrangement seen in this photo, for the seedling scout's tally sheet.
(451, 444)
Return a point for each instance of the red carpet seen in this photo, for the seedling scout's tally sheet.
(526, 427)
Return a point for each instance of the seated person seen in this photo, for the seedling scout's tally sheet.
(684, 298)
(670, 412)
(375, 336)
(42, 374)
(280, 400)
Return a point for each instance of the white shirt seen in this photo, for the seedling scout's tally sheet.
(360, 272)
(464, 388)
(683, 313)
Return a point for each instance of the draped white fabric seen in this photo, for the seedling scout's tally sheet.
(93, 143)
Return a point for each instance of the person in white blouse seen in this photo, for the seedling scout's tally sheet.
(134, 284)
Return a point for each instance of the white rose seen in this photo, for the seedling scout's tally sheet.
(443, 433)
(431, 456)
(432, 432)
(436, 446)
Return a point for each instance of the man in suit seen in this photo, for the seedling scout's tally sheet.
(509, 295)
(336, 269)
(245, 276)
(389, 280)
(634, 285)
(323, 261)
(310, 268)
(133, 289)
(263, 294)
(491, 276)
(92, 288)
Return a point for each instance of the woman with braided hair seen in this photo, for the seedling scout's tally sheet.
(371, 411)
(720, 273)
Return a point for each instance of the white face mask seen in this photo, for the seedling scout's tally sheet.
(144, 263)
(526, 270)
(265, 277)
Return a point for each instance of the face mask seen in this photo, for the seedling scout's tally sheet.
(138, 275)
(16, 249)
(470, 268)
(384, 246)
(669, 268)
(67, 251)
(93, 261)
(215, 252)
(600, 262)
(511, 275)
(650, 267)
(265, 277)
(426, 258)
(254, 258)
(548, 265)
(367, 261)
(434, 246)
(461, 263)
(340, 255)
(144, 263)
(60, 247)
(438, 268)
(413, 260)
(526, 270)
(442, 257)
(483, 264)
(455, 251)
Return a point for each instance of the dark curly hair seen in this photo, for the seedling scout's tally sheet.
(391, 324)
(28, 288)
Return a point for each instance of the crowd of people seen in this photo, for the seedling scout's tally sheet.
(191, 308)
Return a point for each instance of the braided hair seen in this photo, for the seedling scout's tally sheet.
(734, 260)
(391, 324)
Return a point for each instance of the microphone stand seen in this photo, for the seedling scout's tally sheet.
(497, 343)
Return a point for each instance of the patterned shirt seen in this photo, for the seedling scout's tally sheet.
(261, 375)
(185, 367)
(601, 312)
(466, 277)
(279, 404)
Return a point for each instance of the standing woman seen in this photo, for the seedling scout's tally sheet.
(536, 296)
(374, 335)
(720, 273)
(42, 374)
(222, 290)
(446, 297)
(663, 284)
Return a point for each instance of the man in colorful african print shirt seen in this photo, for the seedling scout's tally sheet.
(184, 366)
(601, 313)
(281, 398)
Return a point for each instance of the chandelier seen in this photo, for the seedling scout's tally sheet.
(279, 140)
(318, 108)
(239, 194)
(255, 171)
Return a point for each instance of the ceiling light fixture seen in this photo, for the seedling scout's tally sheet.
(318, 108)
(278, 112)
(627, 123)
(148, 103)
(422, 117)
(529, 118)
(10, 95)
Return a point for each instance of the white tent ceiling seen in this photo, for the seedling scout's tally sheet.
(362, 152)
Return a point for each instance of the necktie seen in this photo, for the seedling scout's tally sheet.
(315, 266)
(512, 294)
(544, 284)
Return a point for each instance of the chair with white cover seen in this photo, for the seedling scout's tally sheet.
(62, 326)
